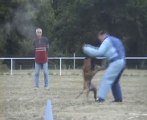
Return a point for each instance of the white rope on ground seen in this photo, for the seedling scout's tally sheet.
(136, 115)
(48, 111)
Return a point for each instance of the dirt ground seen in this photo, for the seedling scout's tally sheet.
(19, 100)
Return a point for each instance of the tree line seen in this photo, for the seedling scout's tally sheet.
(70, 23)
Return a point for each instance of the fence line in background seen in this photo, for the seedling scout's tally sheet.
(74, 58)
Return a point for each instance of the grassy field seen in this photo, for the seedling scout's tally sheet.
(19, 100)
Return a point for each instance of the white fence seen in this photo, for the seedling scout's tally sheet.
(64, 58)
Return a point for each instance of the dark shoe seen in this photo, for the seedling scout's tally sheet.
(100, 100)
(117, 101)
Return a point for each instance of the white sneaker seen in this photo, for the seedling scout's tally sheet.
(36, 88)
(47, 88)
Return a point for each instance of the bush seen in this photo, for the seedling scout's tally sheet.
(3, 68)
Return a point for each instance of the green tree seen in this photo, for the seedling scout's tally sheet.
(71, 23)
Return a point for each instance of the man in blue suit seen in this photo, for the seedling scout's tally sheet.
(113, 49)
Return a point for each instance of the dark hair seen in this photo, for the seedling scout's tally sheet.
(102, 32)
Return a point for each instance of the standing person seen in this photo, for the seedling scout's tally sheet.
(41, 45)
(113, 49)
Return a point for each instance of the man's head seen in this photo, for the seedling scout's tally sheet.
(38, 32)
(102, 35)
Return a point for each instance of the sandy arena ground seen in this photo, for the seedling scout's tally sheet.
(19, 100)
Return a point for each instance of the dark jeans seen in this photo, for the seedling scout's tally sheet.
(116, 89)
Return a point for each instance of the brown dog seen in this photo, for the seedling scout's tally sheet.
(88, 74)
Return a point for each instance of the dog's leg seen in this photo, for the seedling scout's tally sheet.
(87, 93)
(95, 93)
(94, 90)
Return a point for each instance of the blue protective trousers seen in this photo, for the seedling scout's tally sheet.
(111, 79)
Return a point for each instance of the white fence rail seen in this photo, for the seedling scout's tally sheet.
(63, 58)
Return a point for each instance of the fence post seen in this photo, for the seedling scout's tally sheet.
(11, 66)
(74, 61)
(60, 66)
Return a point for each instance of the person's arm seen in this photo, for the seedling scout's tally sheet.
(96, 51)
